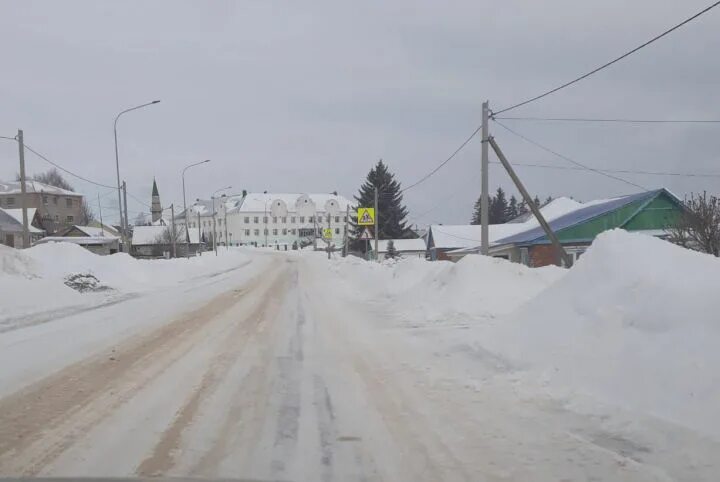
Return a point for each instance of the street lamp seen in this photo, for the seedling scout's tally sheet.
(215, 215)
(123, 225)
(187, 223)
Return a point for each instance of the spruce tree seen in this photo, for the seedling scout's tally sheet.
(512, 210)
(498, 208)
(548, 200)
(536, 201)
(392, 212)
(391, 252)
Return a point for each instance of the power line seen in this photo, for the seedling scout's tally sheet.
(608, 64)
(547, 149)
(9, 138)
(618, 171)
(67, 171)
(442, 164)
(139, 201)
(623, 121)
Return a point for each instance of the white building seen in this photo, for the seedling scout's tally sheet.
(270, 219)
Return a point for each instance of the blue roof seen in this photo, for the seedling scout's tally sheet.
(577, 217)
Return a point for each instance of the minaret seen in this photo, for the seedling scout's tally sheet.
(156, 207)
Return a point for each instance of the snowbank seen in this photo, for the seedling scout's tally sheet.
(33, 280)
(634, 323)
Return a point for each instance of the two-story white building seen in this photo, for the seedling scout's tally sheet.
(270, 219)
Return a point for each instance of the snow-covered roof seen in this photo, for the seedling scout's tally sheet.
(261, 202)
(144, 235)
(402, 245)
(13, 187)
(16, 215)
(95, 232)
(82, 240)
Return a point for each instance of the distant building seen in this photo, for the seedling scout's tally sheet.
(269, 219)
(58, 208)
(95, 239)
(11, 227)
(154, 242)
(406, 248)
(651, 213)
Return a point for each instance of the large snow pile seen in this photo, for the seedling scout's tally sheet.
(34, 280)
(634, 323)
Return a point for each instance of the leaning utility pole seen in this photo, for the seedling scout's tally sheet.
(377, 231)
(126, 247)
(23, 190)
(102, 226)
(484, 186)
(174, 233)
(531, 204)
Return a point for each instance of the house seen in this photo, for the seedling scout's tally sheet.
(148, 242)
(650, 213)
(11, 227)
(58, 208)
(450, 242)
(277, 220)
(406, 248)
(94, 239)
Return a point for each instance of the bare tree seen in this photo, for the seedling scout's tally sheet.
(167, 236)
(698, 227)
(87, 215)
(51, 177)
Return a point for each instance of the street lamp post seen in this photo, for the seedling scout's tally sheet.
(123, 226)
(214, 215)
(187, 222)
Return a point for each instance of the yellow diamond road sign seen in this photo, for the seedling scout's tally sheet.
(366, 216)
(327, 233)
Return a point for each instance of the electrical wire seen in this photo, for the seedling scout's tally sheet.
(9, 138)
(442, 164)
(67, 171)
(608, 64)
(623, 121)
(557, 154)
(139, 201)
(618, 171)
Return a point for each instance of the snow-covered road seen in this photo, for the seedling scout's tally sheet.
(271, 372)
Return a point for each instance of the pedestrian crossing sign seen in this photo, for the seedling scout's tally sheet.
(366, 234)
(366, 216)
(327, 233)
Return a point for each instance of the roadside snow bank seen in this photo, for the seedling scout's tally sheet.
(634, 323)
(33, 280)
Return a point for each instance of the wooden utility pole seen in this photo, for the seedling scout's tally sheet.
(562, 254)
(199, 234)
(102, 226)
(174, 233)
(484, 186)
(346, 239)
(23, 190)
(377, 216)
(329, 241)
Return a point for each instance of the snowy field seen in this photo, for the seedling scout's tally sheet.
(290, 366)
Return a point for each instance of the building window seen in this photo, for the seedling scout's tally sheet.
(55, 198)
(257, 232)
(10, 201)
(70, 219)
(344, 219)
(256, 219)
(69, 202)
(247, 232)
(274, 232)
(284, 220)
(302, 219)
(312, 219)
(265, 231)
(337, 230)
(292, 231)
(57, 218)
(337, 219)
(274, 220)
(247, 219)
(305, 232)
(45, 200)
(265, 219)
(292, 220)
(284, 231)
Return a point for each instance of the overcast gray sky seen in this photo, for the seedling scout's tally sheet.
(306, 96)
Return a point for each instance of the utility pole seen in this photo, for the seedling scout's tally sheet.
(377, 216)
(347, 234)
(226, 236)
(126, 246)
(23, 190)
(485, 186)
(562, 254)
(199, 234)
(315, 232)
(102, 226)
(329, 241)
(214, 231)
(174, 233)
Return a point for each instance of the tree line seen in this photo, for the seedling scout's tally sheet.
(501, 209)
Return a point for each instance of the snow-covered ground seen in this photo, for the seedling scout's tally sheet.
(290, 366)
